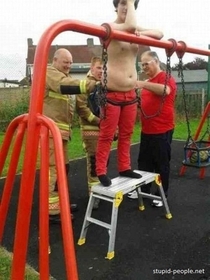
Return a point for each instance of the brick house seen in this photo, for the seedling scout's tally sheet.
(82, 55)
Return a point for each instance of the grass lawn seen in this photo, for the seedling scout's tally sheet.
(76, 151)
(5, 261)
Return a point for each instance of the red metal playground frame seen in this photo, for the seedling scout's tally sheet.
(34, 127)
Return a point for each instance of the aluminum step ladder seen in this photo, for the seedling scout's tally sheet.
(114, 194)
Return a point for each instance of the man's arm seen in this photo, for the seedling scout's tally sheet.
(130, 23)
(59, 82)
(156, 88)
(153, 33)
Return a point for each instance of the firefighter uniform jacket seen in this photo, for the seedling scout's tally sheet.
(89, 123)
(59, 98)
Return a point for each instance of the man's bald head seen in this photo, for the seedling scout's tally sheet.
(62, 60)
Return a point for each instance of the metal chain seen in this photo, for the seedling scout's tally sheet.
(104, 87)
(181, 75)
(167, 78)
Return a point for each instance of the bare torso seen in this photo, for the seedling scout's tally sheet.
(121, 66)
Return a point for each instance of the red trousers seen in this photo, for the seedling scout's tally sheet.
(123, 118)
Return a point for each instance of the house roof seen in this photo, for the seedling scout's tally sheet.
(80, 53)
(191, 76)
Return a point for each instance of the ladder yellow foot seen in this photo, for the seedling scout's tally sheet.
(141, 208)
(168, 216)
(81, 241)
(110, 255)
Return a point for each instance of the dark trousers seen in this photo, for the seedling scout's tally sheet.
(155, 156)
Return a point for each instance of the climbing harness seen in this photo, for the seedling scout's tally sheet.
(102, 90)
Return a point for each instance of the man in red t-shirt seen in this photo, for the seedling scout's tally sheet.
(157, 120)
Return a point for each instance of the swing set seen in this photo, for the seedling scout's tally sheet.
(197, 148)
(35, 128)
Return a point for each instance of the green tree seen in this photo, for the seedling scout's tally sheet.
(196, 64)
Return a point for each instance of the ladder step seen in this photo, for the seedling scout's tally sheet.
(100, 196)
(98, 222)
(124, 184)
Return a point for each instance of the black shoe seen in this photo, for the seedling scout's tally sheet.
(130, 173)
(74, 207)
(105, 180)
(56, 219)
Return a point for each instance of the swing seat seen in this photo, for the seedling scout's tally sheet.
(197, 165)
(197, 154)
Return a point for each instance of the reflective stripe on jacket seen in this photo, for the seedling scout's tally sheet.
(88, 121)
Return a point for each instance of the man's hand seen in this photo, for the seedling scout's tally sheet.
(98, 120)
(140, 84)
(134, 2)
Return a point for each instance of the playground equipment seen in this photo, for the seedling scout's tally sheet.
(34, 127)
(198, 146)
(197, 149)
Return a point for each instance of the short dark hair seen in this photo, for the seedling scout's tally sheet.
(116, 2)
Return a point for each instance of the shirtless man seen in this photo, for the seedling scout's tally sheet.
(121, 82)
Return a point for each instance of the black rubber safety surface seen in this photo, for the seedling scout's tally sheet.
(148, 246)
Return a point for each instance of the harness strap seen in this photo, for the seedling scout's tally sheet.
(122, 103)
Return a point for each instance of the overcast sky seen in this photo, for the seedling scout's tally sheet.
(186, 20)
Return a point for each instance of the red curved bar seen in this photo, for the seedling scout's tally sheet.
(42, 51)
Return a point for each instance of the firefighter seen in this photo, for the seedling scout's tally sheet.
(89, 118)
(59, 106)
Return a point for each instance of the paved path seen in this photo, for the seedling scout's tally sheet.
(146, 242)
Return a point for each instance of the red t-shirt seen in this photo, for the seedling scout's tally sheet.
(157, 115)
